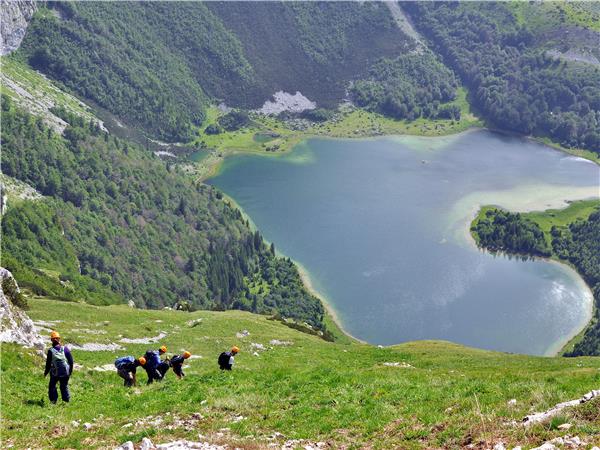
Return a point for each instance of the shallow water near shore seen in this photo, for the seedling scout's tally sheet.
(382, 227)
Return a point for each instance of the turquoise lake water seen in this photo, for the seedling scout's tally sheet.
(382, 227)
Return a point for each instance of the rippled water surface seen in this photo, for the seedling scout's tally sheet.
(382, 227)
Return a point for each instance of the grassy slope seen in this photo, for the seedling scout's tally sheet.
(40, 89)
(312, 389)
(545, 15)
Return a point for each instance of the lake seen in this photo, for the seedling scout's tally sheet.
(381, 225)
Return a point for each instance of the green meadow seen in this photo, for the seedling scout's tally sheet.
(425, 394)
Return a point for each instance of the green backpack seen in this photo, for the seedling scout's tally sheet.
(60, 365)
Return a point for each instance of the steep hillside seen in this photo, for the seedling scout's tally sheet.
(119, 224)
(285, 385)
(155, 65)
(312, 47)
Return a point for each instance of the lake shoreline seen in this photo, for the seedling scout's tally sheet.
(212, 167)
(534, 203)
(304, 274)
(559, 347)
(309, 285)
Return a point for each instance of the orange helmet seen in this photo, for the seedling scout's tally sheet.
(163, 349)
(186, 354)
(234, 349)
(54, 335)
(142, 361)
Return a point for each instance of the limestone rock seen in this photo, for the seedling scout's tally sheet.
(126, 446)
(14, 18)
(147, 444)
(15, 324)
(242, 334)
(546, 446)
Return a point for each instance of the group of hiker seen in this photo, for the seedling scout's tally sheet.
(59, 364)
(155, 367)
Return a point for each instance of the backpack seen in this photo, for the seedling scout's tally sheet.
(152, 359)
(60, 365)
(176, 360)
(123, 361)
(224, 359)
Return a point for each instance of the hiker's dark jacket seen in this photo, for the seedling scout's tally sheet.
(177, 364)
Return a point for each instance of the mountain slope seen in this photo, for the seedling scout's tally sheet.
(429, 395)
(155, 65)
(511, 68)
(118, 223)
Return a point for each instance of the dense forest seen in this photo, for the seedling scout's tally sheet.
(156, 65)
(515, 83)
(117, 223)
(408, 87)
(503, 231)
(578, 243)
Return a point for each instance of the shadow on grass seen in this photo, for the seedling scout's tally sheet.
(41, 402)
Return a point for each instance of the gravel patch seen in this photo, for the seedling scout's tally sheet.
(284, 101)
(150, 340)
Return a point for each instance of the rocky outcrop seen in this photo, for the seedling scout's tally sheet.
(14, 18)
(543, 416)
(15, 324)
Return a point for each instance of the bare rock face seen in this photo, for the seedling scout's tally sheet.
(15, 324)
(14, 18)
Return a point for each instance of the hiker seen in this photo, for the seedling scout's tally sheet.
(226, 358)
(176, 363)
(164, 365)
(155, 367)
(59, 364)
(126, 368)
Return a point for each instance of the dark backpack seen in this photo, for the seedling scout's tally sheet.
(123, 361)
(152, 359)
(224, 359)
(60, 365)
(176, 360)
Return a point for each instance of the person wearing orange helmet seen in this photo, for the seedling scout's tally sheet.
(127, 367)
(176, 362)
(226, 359)
(59, 364)
(155, 367)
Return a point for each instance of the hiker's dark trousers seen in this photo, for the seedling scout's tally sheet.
(153, 374)
(64, 388)
(127, 376)
(178, 370)
(162, 368)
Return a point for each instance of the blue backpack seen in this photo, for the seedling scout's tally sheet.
(123, 361)
(152, 359)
